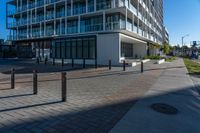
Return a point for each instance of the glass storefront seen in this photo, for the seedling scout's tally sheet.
(127, 50)
(74, 48)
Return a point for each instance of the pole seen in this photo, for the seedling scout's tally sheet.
(110, 65)
(12, 78)
(142, 67)
(63, 62)
(72, 62)
(35, 84)
(64, 87)
(83, 63)
(54, 61)
(124, 65)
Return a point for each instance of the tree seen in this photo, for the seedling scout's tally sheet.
(166, 48)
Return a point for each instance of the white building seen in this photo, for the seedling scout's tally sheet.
(95, 30)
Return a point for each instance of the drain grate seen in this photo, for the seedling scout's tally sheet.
(164, 108)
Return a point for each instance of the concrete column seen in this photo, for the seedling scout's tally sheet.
(17, 33)
(138, 22)
(132, 22)
(40, 29)
(79, 24)
(86, 5)
(126, 19)
(65, 17)
(17, 8)
(54, 27)
(45, 19)
(71, 7)
(65, 8)
(104, 21)
(27, 20)
(65, 25)
(60, 26)
(95, 5)
(31, 23)
(21, 4)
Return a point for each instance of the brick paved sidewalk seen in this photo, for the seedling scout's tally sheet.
(96, 100)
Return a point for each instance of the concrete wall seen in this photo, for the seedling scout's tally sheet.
(139, 50)
(108, 47)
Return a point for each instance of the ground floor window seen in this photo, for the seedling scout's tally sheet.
(126, 50)
(74, 48)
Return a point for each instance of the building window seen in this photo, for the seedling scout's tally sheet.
(90, 5)
(103, 4)
(92, 24)
(68, 49)
(76, 48)
(73, 47)
(79, 49)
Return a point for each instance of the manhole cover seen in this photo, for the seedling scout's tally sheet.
(164, 108)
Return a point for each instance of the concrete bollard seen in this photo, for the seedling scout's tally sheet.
(110, 64)
(124, 65)
(64, 86)
(12, 78)
(35, 83)
(83, 63)
(142, 67)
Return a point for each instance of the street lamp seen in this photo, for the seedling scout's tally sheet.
(183, 41)
(183, 38)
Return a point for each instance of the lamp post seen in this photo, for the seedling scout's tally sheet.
(183, 41)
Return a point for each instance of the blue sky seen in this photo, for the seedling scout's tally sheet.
(180, 17)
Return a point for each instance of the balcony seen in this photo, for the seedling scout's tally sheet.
(12, 25)
(11, 12)
(49, 16)
(11, 38)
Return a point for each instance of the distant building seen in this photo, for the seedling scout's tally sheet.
(1, 41)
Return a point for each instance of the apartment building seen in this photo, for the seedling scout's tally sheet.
(95, 30)
(165, 35)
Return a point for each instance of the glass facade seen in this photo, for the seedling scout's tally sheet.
(44, 18)
(92, 24)
(74, 48)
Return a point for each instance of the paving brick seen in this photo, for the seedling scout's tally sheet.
(96, 99)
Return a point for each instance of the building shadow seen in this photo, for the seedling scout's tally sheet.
(99, 118)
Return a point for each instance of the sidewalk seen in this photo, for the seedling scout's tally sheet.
(174, 87)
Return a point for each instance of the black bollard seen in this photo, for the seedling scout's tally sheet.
(63, 62)
(96, 65)
(35, 84)
(54, 61)
(142, 67)
(37, 60)
(124, 65)
(72, 62)
(83, 63)
(45, 61)
(109, 65)
(64, 87)
(12, 78)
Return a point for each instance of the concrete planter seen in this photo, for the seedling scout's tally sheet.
(161, 61)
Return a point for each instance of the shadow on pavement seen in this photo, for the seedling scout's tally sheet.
(98, 119)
